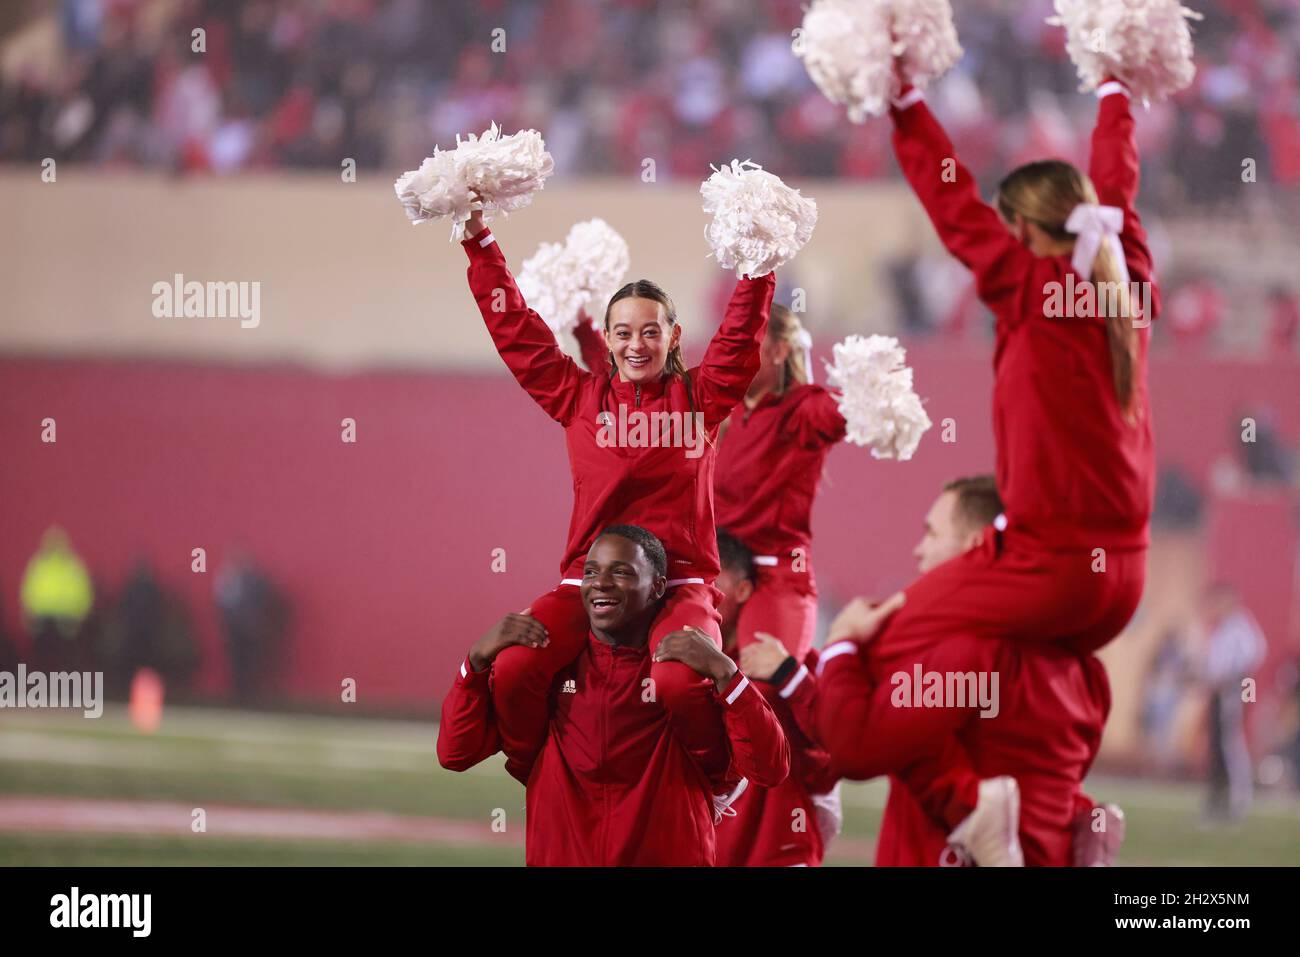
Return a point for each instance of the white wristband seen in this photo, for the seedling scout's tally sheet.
(1114, 86)
(910, 98)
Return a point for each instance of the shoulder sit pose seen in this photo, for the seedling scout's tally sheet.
(664, 485)
(612, 784)
(1063, 264)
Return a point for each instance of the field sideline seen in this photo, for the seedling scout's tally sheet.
(292, 789)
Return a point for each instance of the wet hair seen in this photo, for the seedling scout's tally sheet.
(978, 502)
(651, 547)
(735, 556)
(1045, 193)
(645, 289)
(784, 326)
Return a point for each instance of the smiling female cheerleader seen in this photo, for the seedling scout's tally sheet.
(665, 487)
(770, 458)
(1066, 561)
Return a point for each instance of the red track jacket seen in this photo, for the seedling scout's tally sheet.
(1071, 471)
(660, 489)
(612, 785)
(1052, 706)
(770, 465)
(777, 826)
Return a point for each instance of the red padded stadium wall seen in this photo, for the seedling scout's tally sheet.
(385, 547)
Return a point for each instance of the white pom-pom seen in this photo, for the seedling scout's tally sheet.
(505, 171)
(548, 286)
(877, 400)
(758, 223)
(850, 48)
(601, 258)
(559, 280)
(1145, 43)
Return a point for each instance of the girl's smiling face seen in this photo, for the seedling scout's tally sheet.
(640, 337)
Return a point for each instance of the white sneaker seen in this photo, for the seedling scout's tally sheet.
(991, 834)
(722, 802)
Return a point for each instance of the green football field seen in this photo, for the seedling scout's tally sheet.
(291, 789)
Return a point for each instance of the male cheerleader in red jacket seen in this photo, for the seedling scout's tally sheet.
(1034, 746)
(612, 784)
(788, 825)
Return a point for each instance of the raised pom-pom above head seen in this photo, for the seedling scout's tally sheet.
(877, 400)
(758, 222)
(1145, 43)
(504, 171)
(560, 279)
(861, 52)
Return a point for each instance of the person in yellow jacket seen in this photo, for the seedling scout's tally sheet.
(56, 595)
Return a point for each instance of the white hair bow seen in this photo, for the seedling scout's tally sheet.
(805, 342)
(1093, 224)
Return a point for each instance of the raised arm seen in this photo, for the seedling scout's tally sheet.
(731, 360)
(523, 340)
(817, 420)
(970, 228)
(591, 345)
(1114, 170)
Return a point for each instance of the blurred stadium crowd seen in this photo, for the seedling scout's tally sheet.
(304, 83)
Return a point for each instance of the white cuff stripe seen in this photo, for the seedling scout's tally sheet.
(794, 682)
(834, 651)
(744, 683)
(910, 98)
(487, 240)
(463, 672)
(1114, 86)
(766, 560)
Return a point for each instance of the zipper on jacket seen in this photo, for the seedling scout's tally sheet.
(638, 395)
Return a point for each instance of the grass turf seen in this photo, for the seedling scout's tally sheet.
(203, 756)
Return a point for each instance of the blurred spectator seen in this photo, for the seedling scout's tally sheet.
(1234, 647)
(254, 618)
(1178, 502)
(305, 84)
(149, 629)
(1283, 320)
(1163, 689)
(1267, 458)
(1194, 312)
(57, 595)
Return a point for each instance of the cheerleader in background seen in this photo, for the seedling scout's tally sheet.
(666, 489)
(1066, 562)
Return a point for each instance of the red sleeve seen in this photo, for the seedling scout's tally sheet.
(970, 228)
(523, 340)
(591, 345)
(798, 698)
(1114, 170)
(816, 421)
(731, 360)
(800, 695)
(759, 749)
(467, 733)
(862, 730)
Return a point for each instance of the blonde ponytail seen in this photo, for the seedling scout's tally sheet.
(1045, 193)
